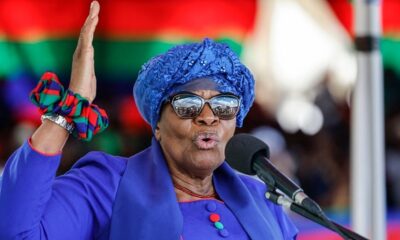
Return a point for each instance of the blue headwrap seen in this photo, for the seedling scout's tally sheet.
(163, 75)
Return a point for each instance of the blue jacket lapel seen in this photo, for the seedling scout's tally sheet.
(249, 208)
(146, 206)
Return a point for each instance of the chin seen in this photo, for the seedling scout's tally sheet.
(207, 161)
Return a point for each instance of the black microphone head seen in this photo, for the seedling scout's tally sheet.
(240, 150)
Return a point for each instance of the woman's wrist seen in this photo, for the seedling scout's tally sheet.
(59, 120)
(53, 99)
(49, 138)
(82, 93)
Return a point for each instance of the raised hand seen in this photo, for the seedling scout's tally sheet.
(50, 138)
(83, 78)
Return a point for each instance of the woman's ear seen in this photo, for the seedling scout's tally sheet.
(157, 133)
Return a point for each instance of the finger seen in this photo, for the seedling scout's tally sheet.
(87, 31)
(93, 13)
(90, 25)
(94, 9)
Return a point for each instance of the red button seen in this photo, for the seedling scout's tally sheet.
(214, 217)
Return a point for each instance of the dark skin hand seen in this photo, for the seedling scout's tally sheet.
(50, 138)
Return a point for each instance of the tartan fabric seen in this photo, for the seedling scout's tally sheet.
(51, 97)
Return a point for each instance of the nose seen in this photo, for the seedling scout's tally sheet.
(206, 116)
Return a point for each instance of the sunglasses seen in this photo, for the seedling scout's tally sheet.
(189, 105)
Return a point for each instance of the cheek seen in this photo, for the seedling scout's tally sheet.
(179, 130)
(175, 134)
(230, 128)
(229, 131)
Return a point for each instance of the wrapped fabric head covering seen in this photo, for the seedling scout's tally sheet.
(164, 75)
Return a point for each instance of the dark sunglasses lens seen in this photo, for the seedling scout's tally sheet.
(187, 106)
(225, 107)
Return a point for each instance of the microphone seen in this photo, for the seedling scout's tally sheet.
(250, 155)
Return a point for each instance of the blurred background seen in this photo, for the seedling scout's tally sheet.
(300, 51)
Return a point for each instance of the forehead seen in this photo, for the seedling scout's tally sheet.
(197, 84)
(206, 93)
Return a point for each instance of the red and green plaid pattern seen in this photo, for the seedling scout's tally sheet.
(51, 97)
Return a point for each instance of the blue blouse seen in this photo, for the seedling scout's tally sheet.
(110, 197)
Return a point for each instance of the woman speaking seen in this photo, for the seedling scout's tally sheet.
(193, 96)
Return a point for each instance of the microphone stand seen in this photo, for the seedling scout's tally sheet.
(280, 199)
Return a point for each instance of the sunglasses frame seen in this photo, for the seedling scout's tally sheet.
(203, 103)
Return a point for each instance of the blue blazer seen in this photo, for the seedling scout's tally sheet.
(146, 195)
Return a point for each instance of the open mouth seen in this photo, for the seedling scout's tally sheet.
(206, 141)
